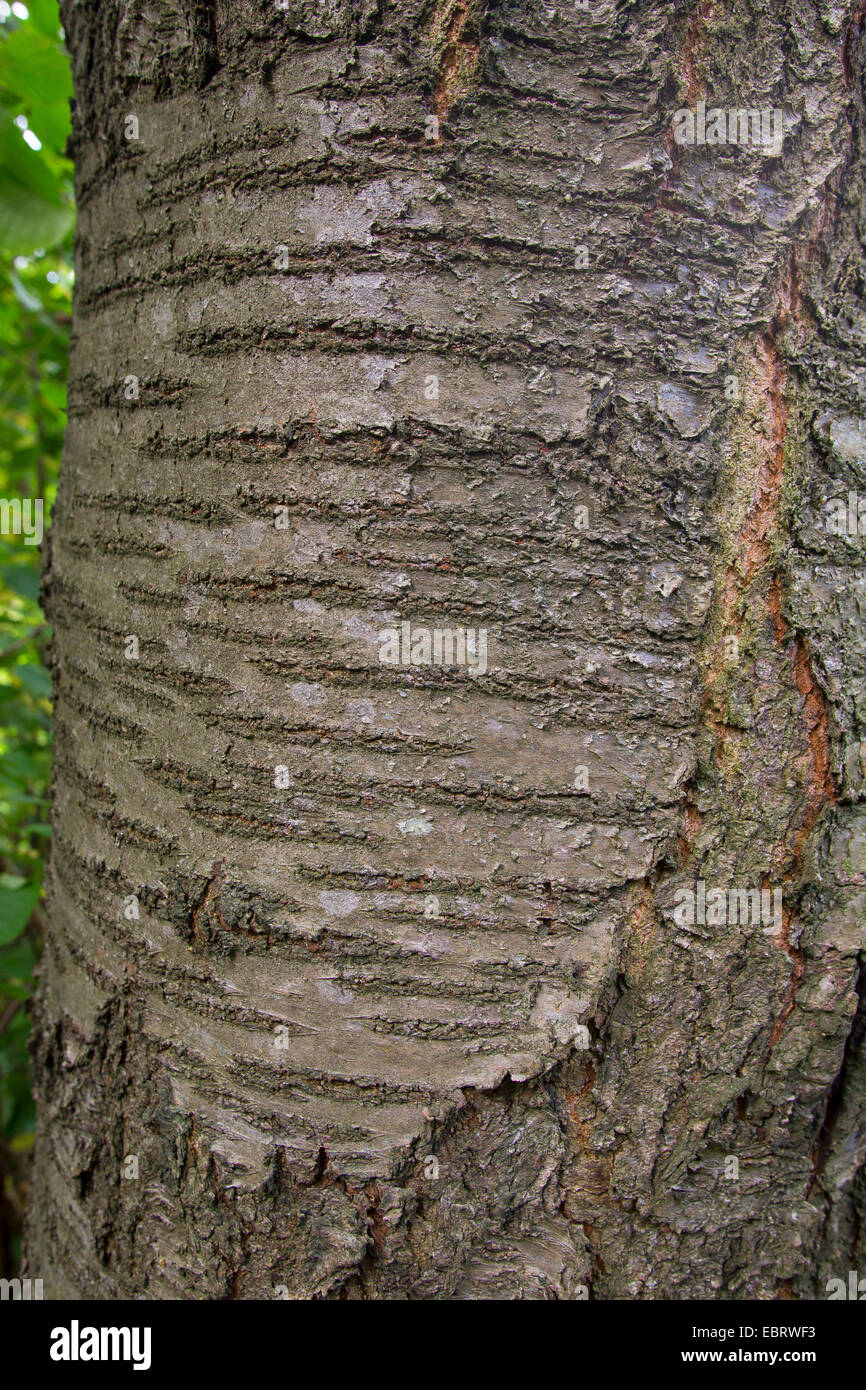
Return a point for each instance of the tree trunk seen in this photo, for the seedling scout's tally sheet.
(371, 976)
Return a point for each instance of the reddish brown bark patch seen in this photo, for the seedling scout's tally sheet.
(455, 29)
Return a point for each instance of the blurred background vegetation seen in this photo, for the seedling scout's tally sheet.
(36, 218)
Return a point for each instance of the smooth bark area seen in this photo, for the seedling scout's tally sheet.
(419, 313)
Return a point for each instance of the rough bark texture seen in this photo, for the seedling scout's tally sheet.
(412, 253)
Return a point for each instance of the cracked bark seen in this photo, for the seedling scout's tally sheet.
(309, 1169)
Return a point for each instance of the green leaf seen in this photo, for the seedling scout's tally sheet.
(38, 828)
(33, 215)
(28, 300)
(55, 394)
(18, 765)
(45, 14)
(13, 989)
(21, 579)
(35, 680)
(51, 122)
(16, 905)
(34, 67)
(17, 962)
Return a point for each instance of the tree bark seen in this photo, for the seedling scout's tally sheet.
(425, 1022)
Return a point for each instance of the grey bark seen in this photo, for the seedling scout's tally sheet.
(434, 913)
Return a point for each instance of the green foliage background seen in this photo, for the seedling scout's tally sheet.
(36, 218)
